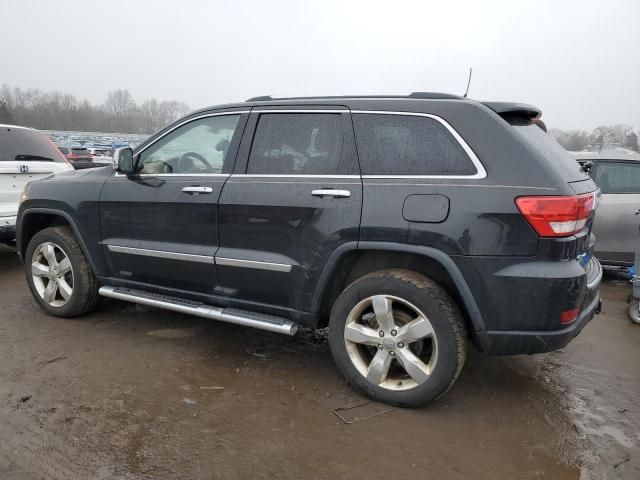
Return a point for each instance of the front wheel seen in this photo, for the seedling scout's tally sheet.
(634, 310)
(398, 337)
(58, 275)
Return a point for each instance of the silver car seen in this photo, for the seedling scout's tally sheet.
(616, 225)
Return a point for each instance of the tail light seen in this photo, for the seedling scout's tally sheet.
(557, 216)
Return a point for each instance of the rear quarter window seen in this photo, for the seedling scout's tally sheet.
(549, 150)
(390, 144)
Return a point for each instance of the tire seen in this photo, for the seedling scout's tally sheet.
(408, 296)
(634, 311)
(76, 290)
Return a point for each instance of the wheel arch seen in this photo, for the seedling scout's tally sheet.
(356, 259)
(33, 220)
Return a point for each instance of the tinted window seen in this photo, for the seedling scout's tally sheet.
(618, 177)
(408, 145)
(297, 143)
(80, 151)
(23, 142)
(549, 150)
(64, 150)
(197, 147)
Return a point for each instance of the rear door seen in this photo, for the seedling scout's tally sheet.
(159, 226)
(616, 226)
(295, 197)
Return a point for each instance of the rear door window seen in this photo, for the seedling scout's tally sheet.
(297, 144)
(618, 177)
(390, 144)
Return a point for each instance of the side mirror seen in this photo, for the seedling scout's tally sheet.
(123, 159)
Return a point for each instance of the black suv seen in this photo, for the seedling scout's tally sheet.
(410, 226)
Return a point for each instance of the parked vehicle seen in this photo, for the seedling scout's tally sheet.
(616, 227)
(101, 156)
(79, 157)
(25, 155)
(410, 226)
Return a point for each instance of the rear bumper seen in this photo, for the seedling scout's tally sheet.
(522, 342)
(528, 318)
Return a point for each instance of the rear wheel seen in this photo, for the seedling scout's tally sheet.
(58, 275)
(398, 337)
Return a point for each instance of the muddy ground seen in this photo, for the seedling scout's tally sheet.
(133, 393)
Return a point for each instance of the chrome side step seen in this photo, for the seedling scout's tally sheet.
(229, 315)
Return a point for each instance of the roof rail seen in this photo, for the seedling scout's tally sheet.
(433, 95)
(418, 95)
(261, 98)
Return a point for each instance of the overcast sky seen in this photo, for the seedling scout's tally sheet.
(579, 61)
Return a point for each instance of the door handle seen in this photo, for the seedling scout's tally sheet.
(194, 190)
(326, 192)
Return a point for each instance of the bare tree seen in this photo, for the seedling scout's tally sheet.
(57, 110)
(120, 102)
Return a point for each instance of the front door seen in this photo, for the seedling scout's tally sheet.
(295, 196)
(159, 226)
(616, 225)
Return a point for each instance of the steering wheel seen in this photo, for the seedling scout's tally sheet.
(189, 156)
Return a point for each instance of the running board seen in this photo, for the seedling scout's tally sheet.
(229, 315)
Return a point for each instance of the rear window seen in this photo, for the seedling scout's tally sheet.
(25, 143)
(80, 151)
(551, 151)
(408, 145)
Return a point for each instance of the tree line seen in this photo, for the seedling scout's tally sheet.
(621, 135)
(61, 111)
(120, 113)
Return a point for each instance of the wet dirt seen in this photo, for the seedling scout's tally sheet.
(137, 393)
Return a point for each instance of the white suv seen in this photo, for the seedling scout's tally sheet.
(25, 155)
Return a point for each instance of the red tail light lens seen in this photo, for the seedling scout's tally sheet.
(556, 216)
(569, 316)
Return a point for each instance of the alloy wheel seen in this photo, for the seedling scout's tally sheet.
(52, 274)
(391, 342)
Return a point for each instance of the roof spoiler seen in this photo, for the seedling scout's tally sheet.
(511, 110)
(515, 109)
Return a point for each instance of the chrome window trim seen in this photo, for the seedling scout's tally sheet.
(313, 110)
(220, 175)
(236, 262)
(291, 175)
(145, 252)
(193, 119)
(480, 170)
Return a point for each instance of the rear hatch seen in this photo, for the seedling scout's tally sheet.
(25, 155)
(525, 120)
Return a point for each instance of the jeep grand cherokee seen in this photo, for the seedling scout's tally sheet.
(410, 226)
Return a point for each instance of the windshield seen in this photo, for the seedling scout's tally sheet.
(27, 145)
(551, 151)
